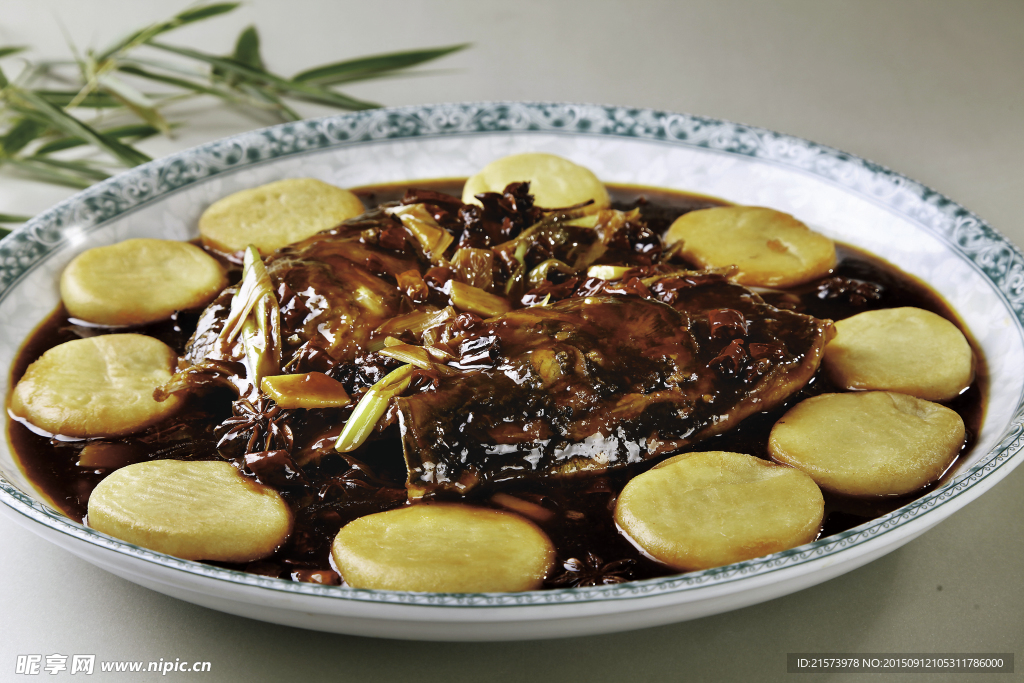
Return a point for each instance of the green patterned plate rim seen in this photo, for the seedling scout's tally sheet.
(966, 234)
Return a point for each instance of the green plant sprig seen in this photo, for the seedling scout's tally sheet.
(36, 122)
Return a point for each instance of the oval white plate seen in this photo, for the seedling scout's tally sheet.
(978, 272)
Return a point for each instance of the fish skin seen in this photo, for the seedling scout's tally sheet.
(590, 384)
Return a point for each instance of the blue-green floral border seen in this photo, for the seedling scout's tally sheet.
(999, 260)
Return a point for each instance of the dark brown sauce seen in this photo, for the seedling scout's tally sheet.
(581, 521)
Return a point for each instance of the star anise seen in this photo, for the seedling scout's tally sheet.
(593, 571)
(262, 421)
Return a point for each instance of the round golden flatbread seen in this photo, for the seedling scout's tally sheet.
(275, 215)
(191, 510)
(908, 350)
(99, 386)
(139, 281)
(873, 443)
(444, 548)
(554, 182)
(702, 510)
(768, 248)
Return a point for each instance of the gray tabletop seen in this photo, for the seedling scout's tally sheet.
(932, 89)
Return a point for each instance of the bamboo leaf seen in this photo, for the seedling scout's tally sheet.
(308, 92)
(162, 65)
(364, 67)
(247, 53)
(143, 107)
(59, 145)
(247, 49)
(49, 175)
(28, 112)
(20, 134)
(71, 126)
(11, 50)
(93, 100)
(79, 167)
(146, 34)
(272, 100)
(180, 82)
(139, 131)
(47, 64)
(203, 12)
(382, 75)
(10, 218)
(333, 99)
(39, 119)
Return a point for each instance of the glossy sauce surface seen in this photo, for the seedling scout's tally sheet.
(575, 511)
